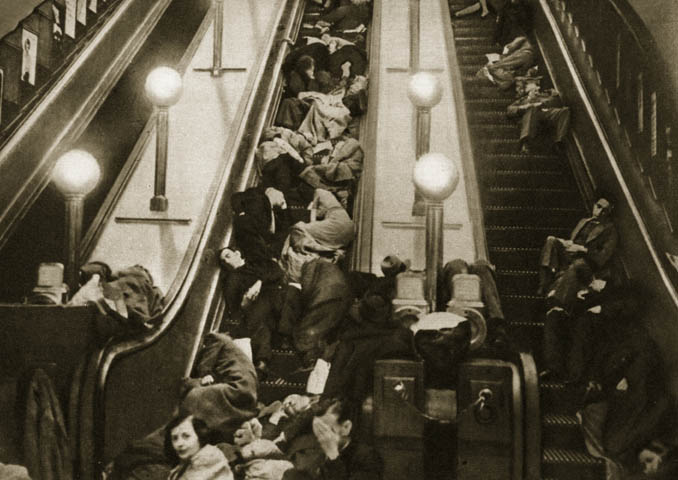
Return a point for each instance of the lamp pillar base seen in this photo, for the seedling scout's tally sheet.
(159, 203)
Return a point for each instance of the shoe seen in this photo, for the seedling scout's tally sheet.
(484, 14)
(524, 149)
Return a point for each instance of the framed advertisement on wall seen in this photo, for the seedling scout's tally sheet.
(29, 56)
(70, 18)
(2, 92)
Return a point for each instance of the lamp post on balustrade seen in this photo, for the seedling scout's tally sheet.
(218, 44)
(435, 177)
(163, 89)
(425, 92)
(75, 174)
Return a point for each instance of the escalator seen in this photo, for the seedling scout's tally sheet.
(32, 210)
(525, 197)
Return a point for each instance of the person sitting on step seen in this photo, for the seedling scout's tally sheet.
(537, 109)
(593, 240)
(342, 456)
(516, 58)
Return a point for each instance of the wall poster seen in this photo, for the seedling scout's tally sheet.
(82, 12)
(70, 17)
(29, 56)
(2, 84)
(653, 124)
(641, 104)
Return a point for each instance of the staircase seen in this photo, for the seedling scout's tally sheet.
(525, 198)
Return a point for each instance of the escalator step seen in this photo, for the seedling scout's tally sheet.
(521, 236)
(536, 215)
(464, 40)
(514, 258)
(277, 389)
(561, 431)
(468, 59)
(561, 455)
(503, 129)
(517, 281)
(571, 464)
(525, 196)
(489, 116)
(499, 160)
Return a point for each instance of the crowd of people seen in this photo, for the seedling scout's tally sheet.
(592, 340)
(535, 109)
(594, 343)
(286, 286)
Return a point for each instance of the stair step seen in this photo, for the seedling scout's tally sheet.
(467, 59)
(515, 258)
(473, 49)
(571, 464)
(517, 281)
(474, 38)
(527, 178)
(534, 215)
(512, 160)
(518, 196)
(557, 397)
(526, 336)
(495, 116)
(274, 389)
(526, 236)
(284, 362)
(561, 430)
(477, 105)
(562, 455)
(524, 310)
(472, 23)
(504, 146)
(504, 129)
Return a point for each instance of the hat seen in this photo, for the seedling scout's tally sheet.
(391, 265)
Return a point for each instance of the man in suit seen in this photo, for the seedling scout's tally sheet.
(538, 109)
(593, 240)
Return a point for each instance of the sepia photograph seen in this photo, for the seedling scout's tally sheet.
(338, 240)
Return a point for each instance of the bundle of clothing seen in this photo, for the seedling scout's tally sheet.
(128, 297)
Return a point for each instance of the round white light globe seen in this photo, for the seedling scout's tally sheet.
(76, 173)
(163, 86)
(435, 176)
(424, 90)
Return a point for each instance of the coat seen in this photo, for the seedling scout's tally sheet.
(225, 404)
(209, 463)
(601, 241)
(323, 302)
(46, 452)
(352, 369)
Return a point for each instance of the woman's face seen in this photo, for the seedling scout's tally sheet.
(184, 439)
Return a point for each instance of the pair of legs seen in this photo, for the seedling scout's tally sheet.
(479, 5)
(557, 119)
